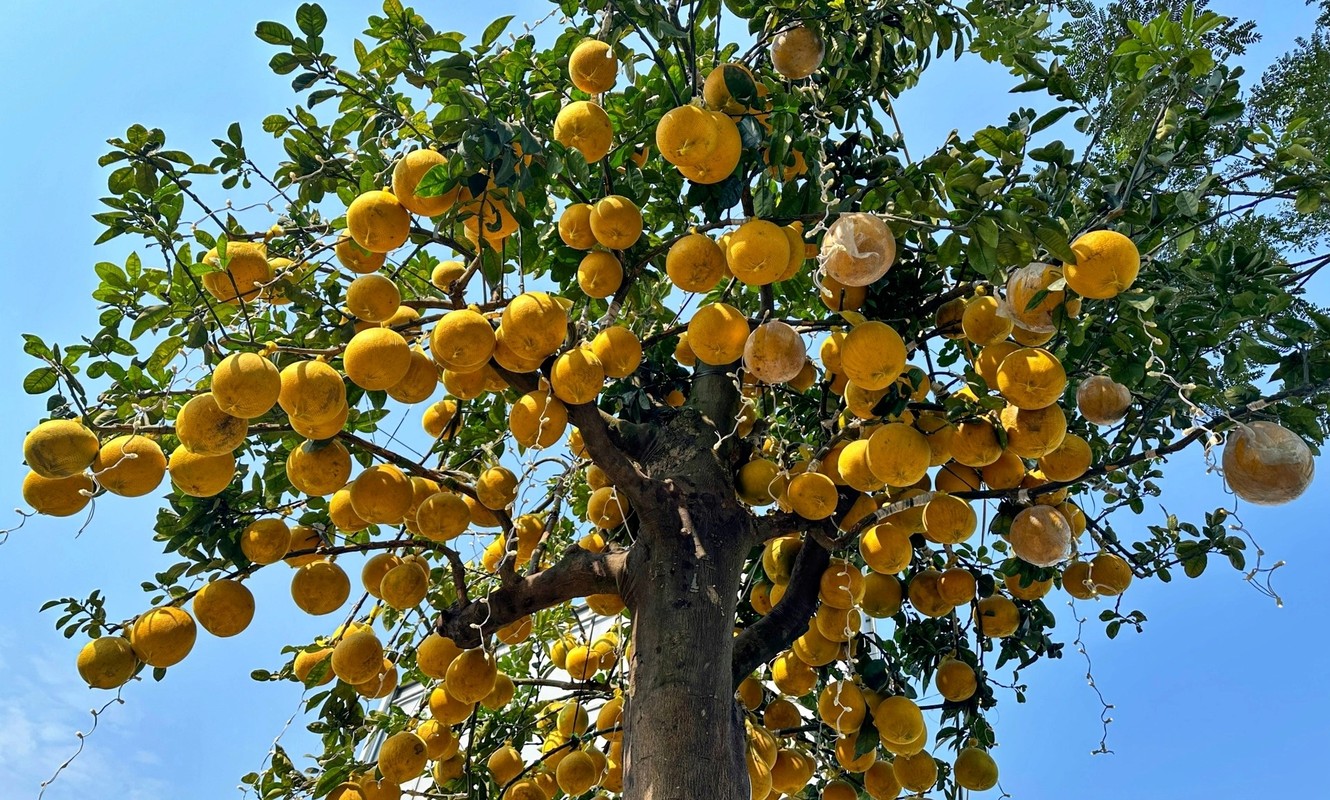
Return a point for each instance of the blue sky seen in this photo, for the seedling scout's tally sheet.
(1220, 696)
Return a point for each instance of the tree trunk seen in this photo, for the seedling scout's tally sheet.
(683, 733)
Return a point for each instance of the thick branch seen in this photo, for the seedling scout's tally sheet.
(578, 574)
(764, 639)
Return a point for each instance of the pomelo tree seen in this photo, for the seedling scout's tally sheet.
(612, 317)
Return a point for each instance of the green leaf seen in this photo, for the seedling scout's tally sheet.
(311, 19)
(1308, 201)
(1188, 204)
(1049, 119)
(274, 33)
(41, 380)
(494, 30)
(1055, 242)
(151, 317)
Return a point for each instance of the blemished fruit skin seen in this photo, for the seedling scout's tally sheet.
(60, 448)
(1106, 264)
(163, 636)
(107, 662)
(378, 222)
(57, 497)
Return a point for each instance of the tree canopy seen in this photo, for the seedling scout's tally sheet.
(609, 317)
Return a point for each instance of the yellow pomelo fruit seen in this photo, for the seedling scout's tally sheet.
(534, 325)
(792, 675)
(471, 676)
(949, 520)
(163, 636)
(318, 468)
(356, 258)
(792, 771)
(1076, 581)
(778, 557)
(726, 82)
(774, 352)
(794, 234)
(576, 773)
(373, 298)
(606, 509)
(998, 617)
(882, 595)
(538, 420)
(924, 595)
(956, 587)
(489, 219)
(886, 548)
(376, 358)
(446, 273)
(420, 381)
(224, 607)
(1034, 433)
(619, 351)
(955, 680)
(1266, 463)
(599, 274)
(462, 341)
(898, 454)
(381, 494)
(312, 391)
(915, 773)
(1006, 472)
(381, 685)
(107, 662)
(872, 355)
(246, 385)
(845, 757)
(938, 430)
(325, 429)
(593, 68)
(616, 222)
(575, 227)
(1023, 285)
(206, 430)
(496, 488)
(1069, 461)
(836, 296)
(988, 360)
(60, 448)
(1041, 536)
(717, 334)
(130, 465)
(857, 249)
(504, 764)
(1031, 378)
(577, 376)
(852, 463)
(758, 252)
(247, 270)
(378, 222)
(898, 719)
(975, 770)
(448, 770)
(841, 706)
(379, 565)
(880, 781)
(811, 495)
(358, 656)
(796, 52)
(841, 584)
(1102, 400)
(404, 586)
(1106, 263)
(686, 136)
(981, 322)
(402, 757)
(1033, 591)
(407, 173)
(695, 263)
(438, 418)
(1109, 574)
(839, 790)
(955, 477)
(585, 127)
(442, 517)
(948, 318)
(58, 497)
(265, 541)
(720, 162)
(320, 588)
(434, 654)
(304, 540)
